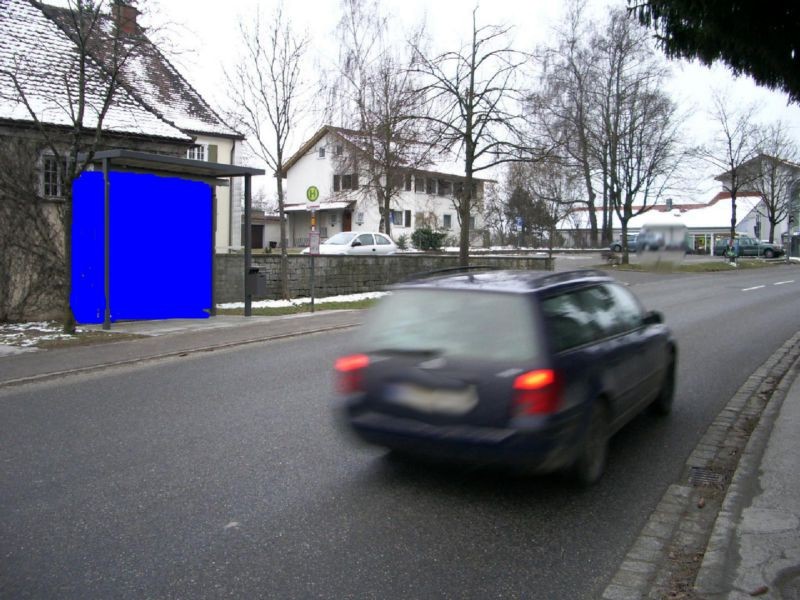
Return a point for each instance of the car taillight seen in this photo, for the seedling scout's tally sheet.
(349, 373)
(536, 393)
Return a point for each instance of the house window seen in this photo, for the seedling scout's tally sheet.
(197, 152)
(339, 149)
(397, 217)
(52, 173)
(359, 218)
(408, 183)
(445, 188)
(431, 186)
(419, 185)
(321, 152)
(350, 181)
(447, 221)
(345, 182)
(459, 189)
(472, 223)
(333, 219)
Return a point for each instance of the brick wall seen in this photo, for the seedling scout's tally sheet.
(335, 275)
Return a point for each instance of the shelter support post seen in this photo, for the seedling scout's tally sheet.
(106, 246)
(248, 291)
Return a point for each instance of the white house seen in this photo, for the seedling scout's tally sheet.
(426, 195)
(705, 223)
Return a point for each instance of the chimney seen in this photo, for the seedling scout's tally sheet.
(669, 204)
(124, 14)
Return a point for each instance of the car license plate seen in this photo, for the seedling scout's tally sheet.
(433, 400)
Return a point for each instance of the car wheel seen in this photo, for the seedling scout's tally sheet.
(769, 253)
(591, 462)
(662, 405)
(616, 248)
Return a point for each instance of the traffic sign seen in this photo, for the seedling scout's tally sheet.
(313, 242)
(312, 193)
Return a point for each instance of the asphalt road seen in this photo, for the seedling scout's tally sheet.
(221, 475)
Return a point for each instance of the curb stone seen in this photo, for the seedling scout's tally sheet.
(684, 537)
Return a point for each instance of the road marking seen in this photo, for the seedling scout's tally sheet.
(782, 282)
(757, 287)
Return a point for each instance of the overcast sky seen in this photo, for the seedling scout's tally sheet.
(204, 38)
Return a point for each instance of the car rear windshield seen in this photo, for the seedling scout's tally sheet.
(465, 324)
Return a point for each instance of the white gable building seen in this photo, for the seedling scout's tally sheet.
(426, 196)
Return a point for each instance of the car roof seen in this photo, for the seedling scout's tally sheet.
(508, 281)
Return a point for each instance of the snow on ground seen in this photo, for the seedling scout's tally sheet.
(26, 335)
(299, 301)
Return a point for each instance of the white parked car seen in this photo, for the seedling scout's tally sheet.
(357, 243)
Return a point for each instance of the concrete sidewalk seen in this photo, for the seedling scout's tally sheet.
(754, 550)
(167, 338)
(730, 528)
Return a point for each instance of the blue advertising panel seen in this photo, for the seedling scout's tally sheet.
(160, 248)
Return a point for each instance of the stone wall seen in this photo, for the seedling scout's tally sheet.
(335, 275)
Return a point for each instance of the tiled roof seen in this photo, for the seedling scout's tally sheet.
(434, 163)
(42, 58)
(151, 78)
(714, 215)
(154, 99)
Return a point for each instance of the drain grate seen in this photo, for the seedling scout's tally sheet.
(703, 476)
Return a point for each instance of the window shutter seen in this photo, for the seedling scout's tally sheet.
(355, 181)
(336, 183)
(212, 153)
(408, 218)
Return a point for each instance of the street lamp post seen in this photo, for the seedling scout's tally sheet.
(790, 219)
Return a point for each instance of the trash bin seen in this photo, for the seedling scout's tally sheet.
(273, 245)
(795, 249)
(257, 282)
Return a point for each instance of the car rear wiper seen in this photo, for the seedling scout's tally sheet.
(426, 352)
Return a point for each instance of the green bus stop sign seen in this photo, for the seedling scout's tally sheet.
(312, 193)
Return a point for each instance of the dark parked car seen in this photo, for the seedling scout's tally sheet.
(515, 367)
(747, 246)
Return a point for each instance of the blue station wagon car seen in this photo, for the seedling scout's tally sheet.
(528, 369)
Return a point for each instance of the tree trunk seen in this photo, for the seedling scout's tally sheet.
(284, 265)
(68, 324)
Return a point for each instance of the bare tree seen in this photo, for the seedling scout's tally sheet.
(636, 139)
(735, 144)
(478, 110)
(267, 87)
(495, 216)
(374, 94)
(543, 194)
(777, 173)
(602, 106)
(561, 109)
(70, 116)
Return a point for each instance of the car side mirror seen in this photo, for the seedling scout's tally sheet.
(356, 243)
(653, 317)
